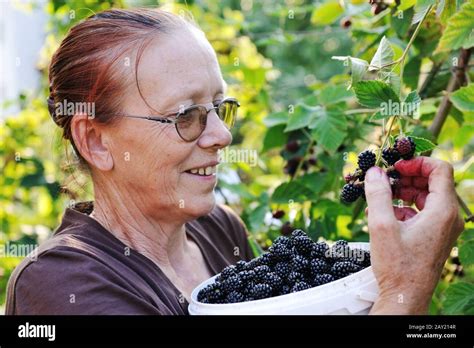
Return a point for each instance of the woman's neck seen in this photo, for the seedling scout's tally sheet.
(162, 241)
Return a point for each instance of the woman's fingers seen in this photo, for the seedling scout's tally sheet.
(411, 195)
(401, 213)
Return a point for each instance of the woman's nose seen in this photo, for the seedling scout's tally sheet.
(215, 134)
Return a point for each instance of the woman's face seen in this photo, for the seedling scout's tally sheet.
(151, 162)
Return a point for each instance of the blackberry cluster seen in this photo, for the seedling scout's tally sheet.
(404, 147)
(293, 264)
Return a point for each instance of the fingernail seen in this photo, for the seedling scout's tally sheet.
(373, 173)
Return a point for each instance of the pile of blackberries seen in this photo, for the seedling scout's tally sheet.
(292, 264)
(404, 147)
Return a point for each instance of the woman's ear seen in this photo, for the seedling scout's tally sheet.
(91, 143)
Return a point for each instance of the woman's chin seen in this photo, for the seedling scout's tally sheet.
(200, 205)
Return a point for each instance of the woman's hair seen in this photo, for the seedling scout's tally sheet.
(89, 65)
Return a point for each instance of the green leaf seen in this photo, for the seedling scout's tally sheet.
(293, 190)
(401, 21)
(383, 55)
(373, 93)
(300, 118)
(334, 94)
(459, 298)
(274, 137)
(358, 67)
(459, 31)
(445, 9)
(422, 144)
(406, 4)
(463, 98)
(421, 8)
(329, 129)
(412, 103)
(276, 118)
(466, 253)
(316, 182)
(326, 13)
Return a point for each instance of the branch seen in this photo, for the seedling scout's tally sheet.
(455, 82)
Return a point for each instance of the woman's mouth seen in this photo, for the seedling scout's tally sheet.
(203, 171)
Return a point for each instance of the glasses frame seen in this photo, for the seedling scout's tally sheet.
(175, 120)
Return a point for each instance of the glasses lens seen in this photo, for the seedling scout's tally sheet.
(227, 112)
(192, 123)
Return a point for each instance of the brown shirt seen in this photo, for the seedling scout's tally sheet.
(85, 269)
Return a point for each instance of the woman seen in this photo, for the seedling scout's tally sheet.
(154, 231)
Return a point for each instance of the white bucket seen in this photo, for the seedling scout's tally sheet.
(354, 294)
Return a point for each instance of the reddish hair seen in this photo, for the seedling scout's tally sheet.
(87, 66)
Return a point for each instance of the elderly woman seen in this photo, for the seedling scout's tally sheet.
(154, 231)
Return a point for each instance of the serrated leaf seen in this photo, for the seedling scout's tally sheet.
(326, 13)
(358, 67)
(383, 55)
(300, 118)
(412, 103)
(466, 253)
(334, 94)
(293, 190)
(392, 79)
(421, 8)
(459, 31)
(373, 93)
(276, 118)
(422, 144)
(445, 9)
(459, 298)
(463, 98)
(329, 129)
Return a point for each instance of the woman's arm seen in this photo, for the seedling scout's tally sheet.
(409, 248)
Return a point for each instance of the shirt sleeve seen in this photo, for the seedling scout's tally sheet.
(67, 282)
(240, 232)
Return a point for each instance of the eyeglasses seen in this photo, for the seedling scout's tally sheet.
(191, 122)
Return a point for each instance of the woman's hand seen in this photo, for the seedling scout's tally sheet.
(409, 248)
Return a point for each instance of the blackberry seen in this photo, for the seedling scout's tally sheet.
(252, 264)
(343, 269)
(278, 214)
(394, 177)
(366, 160)
(300, 286)
(298, 233)
(273, 280)
(228, 272)
(231, 283)
(303, 245)
(350, 193)
(285, 289)
(266, 259)
(261, 290)
(390, 155)
(294, 277)
(235, 297)
(292, 146)
(319, 249)
(247, 289)
(241, 266)
(361, 257)
(340, 250)
(282, 240)
(282, 269)
(318, 266)
(261, 271)
(280, 252)
(405, 146)
(246, 276)
(214, 293)
(299, 264)
(320, 279)
(286, 229)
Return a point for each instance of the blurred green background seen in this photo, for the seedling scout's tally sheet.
(276, 58)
